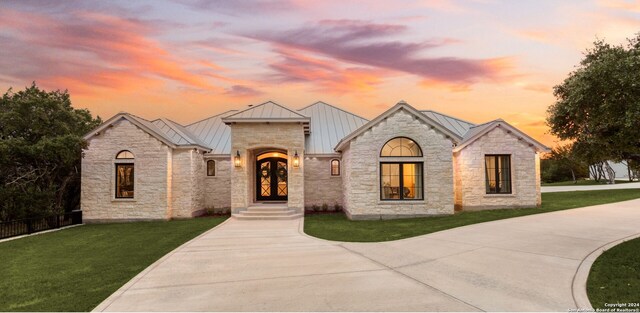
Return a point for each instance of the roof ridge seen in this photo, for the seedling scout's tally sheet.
(335, 107)
(486, 123)
(261, 104)
(212, 116)
(449, 116)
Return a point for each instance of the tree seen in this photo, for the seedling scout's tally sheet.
(40, 152)
(563, 164)
(598, 105)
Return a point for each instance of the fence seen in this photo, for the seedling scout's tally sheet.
(34, 225)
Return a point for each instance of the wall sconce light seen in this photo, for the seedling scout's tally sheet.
(296, 160)
(236, 159)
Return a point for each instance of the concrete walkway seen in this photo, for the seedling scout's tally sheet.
(544, 189)
(519, 264)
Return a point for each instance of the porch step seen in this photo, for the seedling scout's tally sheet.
(267, 212)
(242, 216)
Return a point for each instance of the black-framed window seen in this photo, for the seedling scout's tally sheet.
(124, 180)
(211, 168)
(401, 147)
(498, 173)
(401, 181)
(335, 167)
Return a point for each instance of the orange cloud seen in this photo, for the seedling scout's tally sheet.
(88, 50)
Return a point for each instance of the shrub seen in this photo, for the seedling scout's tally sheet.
(315, 208)
(337, 207)
(325, 207)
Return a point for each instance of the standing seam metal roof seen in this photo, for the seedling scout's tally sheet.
(267, 110)
(328, 126)
(214, 133)
(453, 124)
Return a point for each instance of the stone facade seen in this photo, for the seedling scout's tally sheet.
(187, 182)
(470, 190)
(152, 176)
(171, 178)
(320, 186)
(362, 160)
(249, 139)
(217, 189)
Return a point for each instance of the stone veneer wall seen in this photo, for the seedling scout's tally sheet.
(217, 189)
(361, 163)
(320, 186)
(247, 137)
(151, 175)
(187, 183)
(470, 173)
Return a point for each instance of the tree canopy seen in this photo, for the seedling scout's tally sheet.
(40, 152)
(598, 105)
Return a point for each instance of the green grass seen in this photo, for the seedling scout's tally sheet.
(338, 227)
(583, 182)
(77, 268)
(615, 276)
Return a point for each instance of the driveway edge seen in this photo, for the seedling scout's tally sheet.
(109, 300)
(579, 284)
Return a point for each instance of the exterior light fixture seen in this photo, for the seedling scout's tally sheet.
(296, 160)
(236, 159)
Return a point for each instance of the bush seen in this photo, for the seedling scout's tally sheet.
(315, 208)
(325, 207)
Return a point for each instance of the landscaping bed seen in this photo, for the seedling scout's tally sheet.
(615, 277)
(338, 227)
(77, 268)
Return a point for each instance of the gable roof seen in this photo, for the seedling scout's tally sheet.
(159, 129)
(478, 131)
(214, 133)
(176, 132)
(399, 106)
(455, 125)
(269, 112)
(329, 124)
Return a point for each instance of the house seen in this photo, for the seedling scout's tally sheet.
(403, 163)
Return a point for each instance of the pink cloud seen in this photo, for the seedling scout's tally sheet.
(365, 43)
(87, 49)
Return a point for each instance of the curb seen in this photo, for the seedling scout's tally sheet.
(579, 284)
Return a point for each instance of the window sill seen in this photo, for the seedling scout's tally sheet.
(396, 202)
(123, 200)
(499, 195)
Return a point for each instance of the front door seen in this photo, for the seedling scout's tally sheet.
(271, 180)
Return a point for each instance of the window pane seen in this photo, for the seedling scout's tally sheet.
(211, 168)
(504, 162)
(124, 155)
(390, 180)
(335, 168)
(124, 181)
(412, 181)
(490, 172)
(401, 147)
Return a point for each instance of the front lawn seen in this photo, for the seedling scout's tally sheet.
(584, 182)
(77, 268)
(615, 276)
(338, 227)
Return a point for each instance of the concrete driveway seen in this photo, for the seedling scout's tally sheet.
(519, 264)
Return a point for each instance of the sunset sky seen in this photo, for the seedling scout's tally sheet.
(186, 60)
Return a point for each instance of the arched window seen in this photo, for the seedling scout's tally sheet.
(211, 168)
(124, 154)
(335, 167)
(401, 180)
(401, 147)
(124, 174)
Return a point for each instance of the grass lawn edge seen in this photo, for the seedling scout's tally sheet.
(106, 302)
(611, 196)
